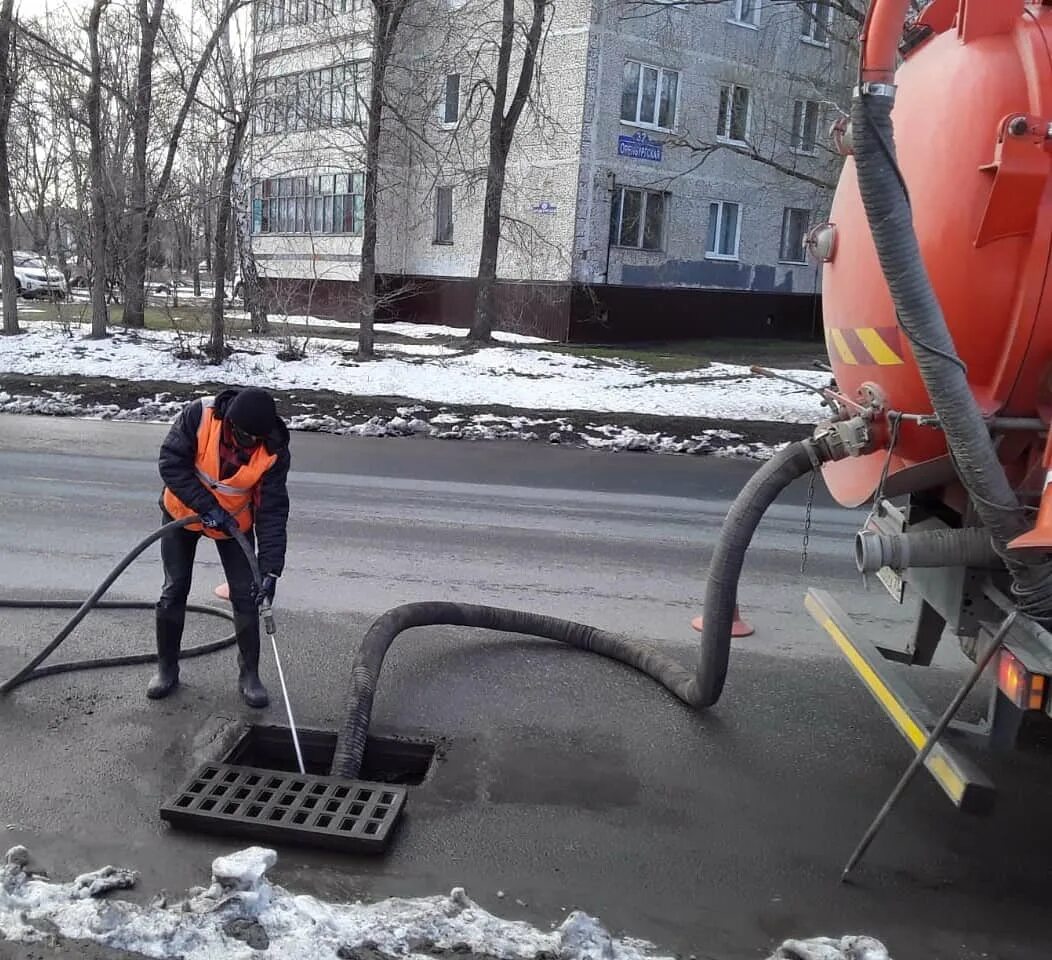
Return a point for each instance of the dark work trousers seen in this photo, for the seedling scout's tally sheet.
(177, 554)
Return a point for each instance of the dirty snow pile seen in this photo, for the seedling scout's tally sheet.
(523, 378)
(59, 403)
(241, 913)
(412, 422)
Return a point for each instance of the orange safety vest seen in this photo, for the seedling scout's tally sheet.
(235, 494)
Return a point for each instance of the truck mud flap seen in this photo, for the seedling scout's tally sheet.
(963, 782)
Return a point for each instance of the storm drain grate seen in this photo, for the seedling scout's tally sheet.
(353, 816)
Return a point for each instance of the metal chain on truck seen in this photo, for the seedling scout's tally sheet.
(807, 520)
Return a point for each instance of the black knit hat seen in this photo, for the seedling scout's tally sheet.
(253, 411)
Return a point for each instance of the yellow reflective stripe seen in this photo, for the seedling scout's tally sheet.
(939, 767)
(944, 773)
(878, 349)
(842, 348)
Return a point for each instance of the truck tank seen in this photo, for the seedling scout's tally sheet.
(974, 94)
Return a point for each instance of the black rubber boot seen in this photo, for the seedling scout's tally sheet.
(252, 689)
(169, 638)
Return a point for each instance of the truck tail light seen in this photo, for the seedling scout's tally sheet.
(1025, 689)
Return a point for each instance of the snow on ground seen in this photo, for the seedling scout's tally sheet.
(420, 331)
(523, 378)
(437, 330)
(417, 349)
(242, 913)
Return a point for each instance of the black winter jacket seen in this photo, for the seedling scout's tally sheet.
(176, 465)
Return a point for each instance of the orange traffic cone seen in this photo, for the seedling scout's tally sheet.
(740, 628)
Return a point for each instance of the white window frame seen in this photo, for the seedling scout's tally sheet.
(731, 88)
(447, 123)
(782, 258)
(619, 199)
(797, 142)
(736, 16)
(811, 19)
(436, 240)
(728, 257)
(662, 71)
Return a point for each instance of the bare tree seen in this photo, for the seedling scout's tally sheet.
(8, 85)
(148, 15)
(503, 121)
(147, 198)
(387, 17)
(236, 115)
(96, 173)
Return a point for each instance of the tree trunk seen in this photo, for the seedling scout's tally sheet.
(60, 239)
(139, 224)
(482, 321)
(206, 205)
(217, 343)
(501, 134)
(7, 94)
(250, 285)
(96, 172)
(177, 262)
(382, 38)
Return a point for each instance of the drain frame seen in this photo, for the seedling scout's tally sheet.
(285, 806)
(399, 759)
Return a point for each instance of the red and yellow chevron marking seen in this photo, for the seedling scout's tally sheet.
(865, 346)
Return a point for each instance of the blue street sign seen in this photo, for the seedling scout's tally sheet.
(639, 147)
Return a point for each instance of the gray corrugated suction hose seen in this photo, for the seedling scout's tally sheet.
(967, 547)
(699, 689)
(350, 744)
(920, 316)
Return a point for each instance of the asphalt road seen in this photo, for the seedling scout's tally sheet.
(568, 781)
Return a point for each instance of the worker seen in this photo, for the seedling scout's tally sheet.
(225, 459)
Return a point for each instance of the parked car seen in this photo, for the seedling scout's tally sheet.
(35, 277)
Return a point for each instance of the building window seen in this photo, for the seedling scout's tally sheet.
(733, 122)
(725, 227)
(308, 101)
(794, 233)
(746, 13)
(330, 203)
(443, 215)
(805, 126)
(637, 219)
(274, 14)
(649, 95)
(816, 16)
(451, 107)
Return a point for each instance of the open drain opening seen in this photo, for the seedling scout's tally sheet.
(387, 759)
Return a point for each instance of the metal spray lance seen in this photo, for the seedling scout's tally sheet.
(267, 614)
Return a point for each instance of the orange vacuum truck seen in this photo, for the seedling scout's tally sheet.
(937, 299)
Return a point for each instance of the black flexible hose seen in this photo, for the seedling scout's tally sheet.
(721, 588)
(131, 660)
(945, 379)
(33, 670)
(700, 688)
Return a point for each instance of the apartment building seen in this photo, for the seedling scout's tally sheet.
(670, 152)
